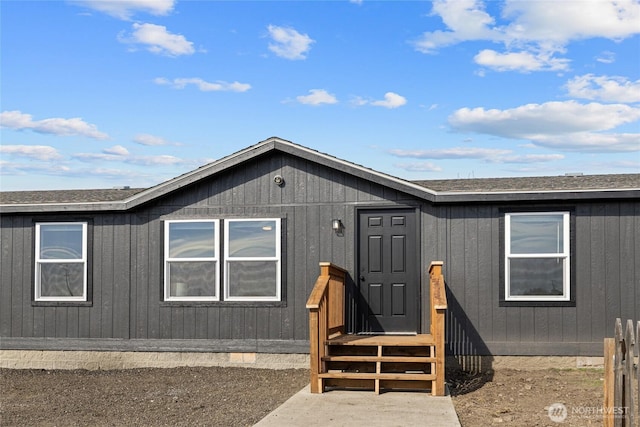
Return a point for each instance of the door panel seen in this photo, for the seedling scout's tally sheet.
(389, 272)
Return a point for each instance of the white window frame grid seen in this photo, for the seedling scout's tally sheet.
(564, 256)
(168, 259)
(278, 258)
(39, 261)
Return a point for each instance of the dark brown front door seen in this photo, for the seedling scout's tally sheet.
(389, 279)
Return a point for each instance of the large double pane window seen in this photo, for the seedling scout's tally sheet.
(252, 250)
(245, 262)
(61, 261)
(192, 267)
(537, 260)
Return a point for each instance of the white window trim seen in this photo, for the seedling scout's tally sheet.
(38, 262)
(277, 258)
(167, 259)
(564, 255)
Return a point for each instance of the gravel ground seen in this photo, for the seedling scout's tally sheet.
(242, 396)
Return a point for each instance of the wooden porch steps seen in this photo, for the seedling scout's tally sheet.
(378, 362)
(373, 362)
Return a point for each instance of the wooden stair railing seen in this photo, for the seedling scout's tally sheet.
(438, 304)
(373, 362)
(326, 316)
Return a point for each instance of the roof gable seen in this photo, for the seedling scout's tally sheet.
(455, 191)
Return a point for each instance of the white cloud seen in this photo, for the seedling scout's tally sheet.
(317, 97)
(158, 40)
(288, 43)
(591, 142)
(465, 19)
(118, 153)
(125, 9)
(57, 126)
(452, 153)
(117, 150)
(155, 160)
(542, 119)
(391, 100)
(567, 125)
(534, 28)
(607, 57)
(571, 20)
(530, 158)
(419, 167)
(37, 152)
(487, 155)
(151, 140)
(204, 86)
(604, 88)
(519, 61)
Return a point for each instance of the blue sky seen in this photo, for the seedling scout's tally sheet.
(100, 94)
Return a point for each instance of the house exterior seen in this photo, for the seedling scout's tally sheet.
(223, 259)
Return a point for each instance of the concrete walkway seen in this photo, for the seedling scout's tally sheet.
(363, 408)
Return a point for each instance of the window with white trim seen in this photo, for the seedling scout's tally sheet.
(192, 265)
(252, 259)
(61, 261)
(537, 256)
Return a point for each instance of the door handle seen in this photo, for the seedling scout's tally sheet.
(362, 278)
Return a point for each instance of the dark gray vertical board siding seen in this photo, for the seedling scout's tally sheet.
(61, 322)
(159, 318)
(483, 266)
(589, 243)
(250, 325)
(429, 251)
(201, 321)
(26, 233)
(139, 268)
(606, 273)
(499, 314)
(121, 267)
(299, 284)
(612, 262)
(627, 290)
(49, 322)
(104, 256)
(73, 315)
(95, 320)
(9, 268)
(127, 267)
(470, 266)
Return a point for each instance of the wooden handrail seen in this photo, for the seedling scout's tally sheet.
(438, 306)
(326, 315)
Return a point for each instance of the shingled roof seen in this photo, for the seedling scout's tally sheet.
(571, 182)
(67, 196)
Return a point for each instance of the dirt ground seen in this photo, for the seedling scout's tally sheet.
(241, 396)
(510, 397)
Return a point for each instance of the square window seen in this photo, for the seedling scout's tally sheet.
(252, 263)
(192, 267)
(537, 257)
(61, 261)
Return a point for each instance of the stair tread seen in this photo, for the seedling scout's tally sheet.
(400, 359)
(384, 340)
(380, 376)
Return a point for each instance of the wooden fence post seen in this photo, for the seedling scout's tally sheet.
(617, 370)
(630, 341)
(609, 382)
